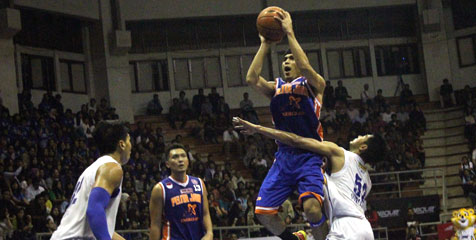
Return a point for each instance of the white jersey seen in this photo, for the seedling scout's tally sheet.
(74, 223)
(467, 233)
(345, 194)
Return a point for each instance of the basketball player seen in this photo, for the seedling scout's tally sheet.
(93, 206)
(295, 107)
(178, 204)
(349, 182)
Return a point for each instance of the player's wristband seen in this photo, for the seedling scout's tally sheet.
(96, 213)
(323, 219)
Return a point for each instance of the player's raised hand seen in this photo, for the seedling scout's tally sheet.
(243, 126)
(266, 41)
(286, 21)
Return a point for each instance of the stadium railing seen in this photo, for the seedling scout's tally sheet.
(380, 233)
(428, 181)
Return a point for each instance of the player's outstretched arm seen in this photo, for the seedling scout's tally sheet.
(207, 221)
(108, 178)
(253, 77)
(155, 211)
(323, 148)
(116, 236)
(302, 62)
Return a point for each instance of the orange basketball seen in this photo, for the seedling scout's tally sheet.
(269, 27)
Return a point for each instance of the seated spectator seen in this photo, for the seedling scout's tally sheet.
(154, 107)
(92, 104)
(371, 216)
(366, 96)
(197, 102)
(352, 113)
(328, 119)
(466, 165)
(224, 109)
(402, 115)
(6, 226)
(329, 98)
(406, 95)
(467, 181)
(33, 190)
(412, 233)
(361, 118)
(209, 132)
(447, 97)
(103, 106)
(341, 93)
(387, 115)
(207, 109)
(417, 118)
(286, 212)
(247, 110)
(176, 114)
(474, 155)
(379, 100)
(412, 163)
(231, 138)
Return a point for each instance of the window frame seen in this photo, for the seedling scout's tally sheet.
(48, 82)
(355, 60)
(473, 37)
(156, 84)
(70, 76)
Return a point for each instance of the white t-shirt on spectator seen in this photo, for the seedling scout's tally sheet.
(366, 95)
(387, 117)
(227, 137)
(352, 114)
(469, 120)
(31, 192)
(262, 162)
(328, 115)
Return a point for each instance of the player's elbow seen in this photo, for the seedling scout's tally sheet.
(251, 80)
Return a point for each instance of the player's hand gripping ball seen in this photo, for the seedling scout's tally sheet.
(268, 26)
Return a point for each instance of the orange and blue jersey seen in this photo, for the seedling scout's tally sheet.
(294, 109)
(183, 209)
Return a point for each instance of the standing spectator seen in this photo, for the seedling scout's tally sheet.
(231, 138)
(366, 96)
(197, 102)
(406, 96)
(175, 114)
(214, 97)
(447, 97)
(379, 100)
(154, 107)
(329, 98)
(247, 110)
(341, 92)
(470, 127)
(467, 96)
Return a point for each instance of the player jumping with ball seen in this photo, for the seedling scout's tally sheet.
(295, 107)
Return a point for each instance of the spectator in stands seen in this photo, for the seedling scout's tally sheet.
(470, 126)
(467, 96)
(209, 131)
(474, 155)
(231, 138)
(341, 93)
(58, 105)
(366, 96)
(417, 118)
(406, 96)
(154, 107)
(379, 100)
(371, 216)
(329, 98)
(33, 189)
(286, 212)
(176, 114)
(402, 115)
(197, 102)
(352, 113)
(103, 106)
(412, 233)
(328, 119)
(466, 165)
(185, 105)
(361, 118)
(207, 109)
(92, 104)
(467, 181)
(412, 163)
(387, 115)
(447, 97)
(214, 98)
(247, 110)
(224, 110)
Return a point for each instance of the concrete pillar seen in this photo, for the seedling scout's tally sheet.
(435, 45)
(11, 24)
(110, 63)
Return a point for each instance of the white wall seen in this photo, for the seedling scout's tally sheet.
(461, 76)
(290, 5)
(147, 9)
(8, 86)
(81, 8)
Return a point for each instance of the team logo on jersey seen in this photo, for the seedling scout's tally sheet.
(169, 185)
(194, 181)
(186, 190)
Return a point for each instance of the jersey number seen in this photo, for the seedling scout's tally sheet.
(197, 188)
(76, 190)
(359, 189)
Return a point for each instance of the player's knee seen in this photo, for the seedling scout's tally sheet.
(264, 218)
(312, 208)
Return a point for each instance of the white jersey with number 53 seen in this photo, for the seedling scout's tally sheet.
(74, 223)
(348, 188)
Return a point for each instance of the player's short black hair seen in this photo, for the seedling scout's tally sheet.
(107, 135)
(376, 149)
(174, 146)
(288, 52)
